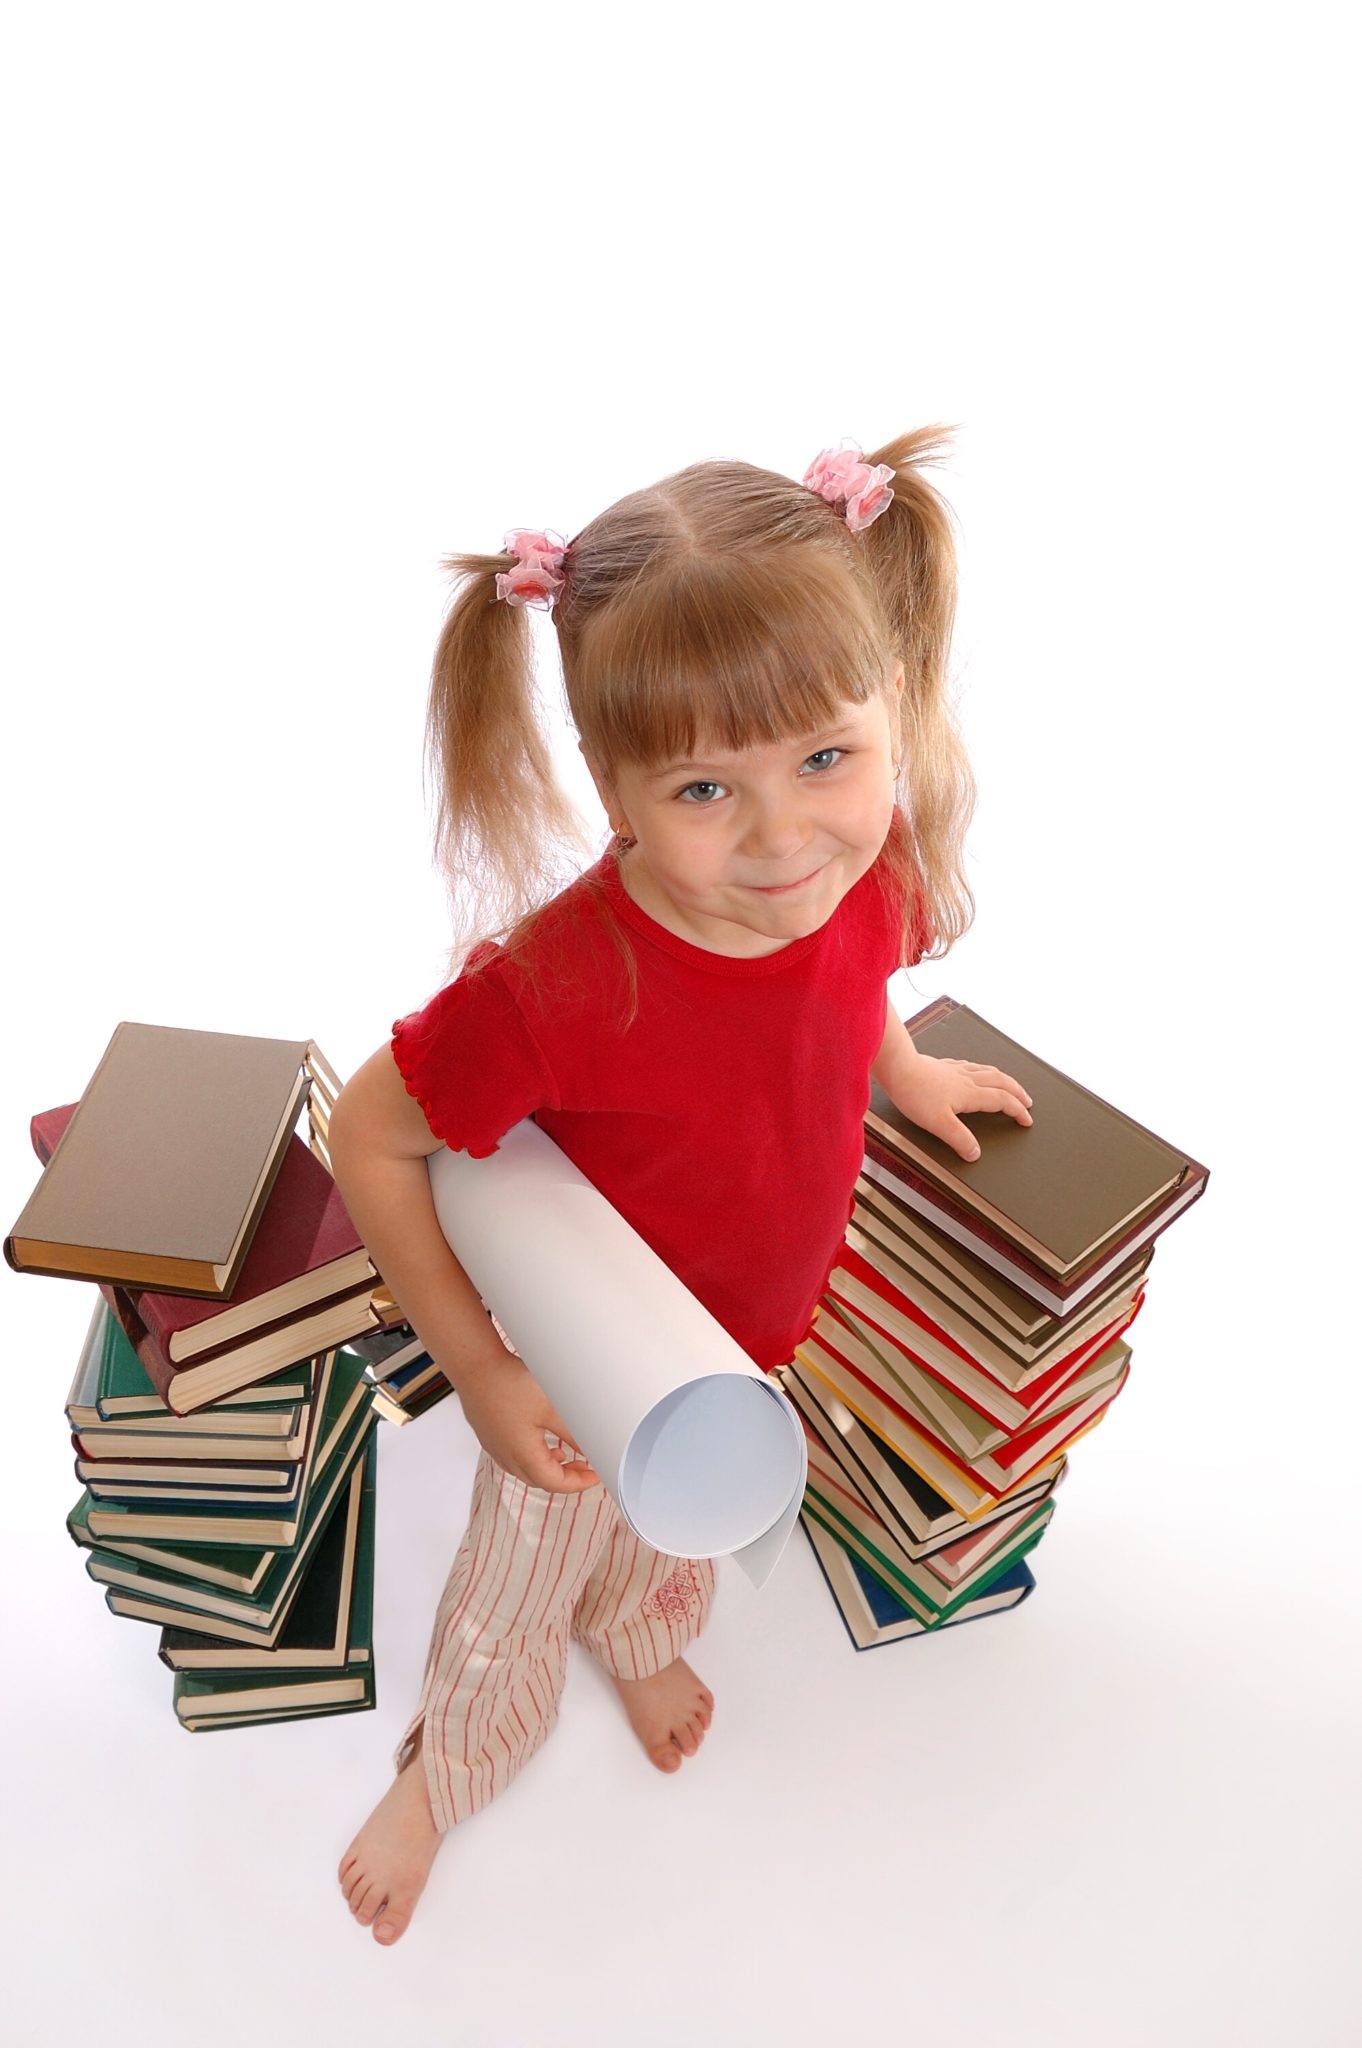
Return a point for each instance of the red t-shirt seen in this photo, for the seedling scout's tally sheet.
(725, 1124)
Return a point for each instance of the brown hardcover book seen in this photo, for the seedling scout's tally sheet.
(125, 1197)
(1069, 1199)
(986, 1297)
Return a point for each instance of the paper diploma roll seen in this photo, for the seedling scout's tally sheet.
(701, 1453)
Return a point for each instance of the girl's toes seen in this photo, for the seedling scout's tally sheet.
(394, 1921)
(369, 1903)
(667, 1756)
(684, 1739)
(353, 1885)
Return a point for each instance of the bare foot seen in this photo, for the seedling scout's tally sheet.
(669, 1712)
(386, 1866)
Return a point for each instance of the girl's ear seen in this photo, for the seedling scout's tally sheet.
(898, 678)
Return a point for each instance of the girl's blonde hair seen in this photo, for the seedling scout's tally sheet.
(724, 606)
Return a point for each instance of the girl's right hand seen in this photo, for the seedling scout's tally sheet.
(509, 1412)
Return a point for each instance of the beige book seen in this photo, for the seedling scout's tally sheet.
(125, 1197)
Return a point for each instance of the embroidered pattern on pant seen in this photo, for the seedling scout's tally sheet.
(674, 1597)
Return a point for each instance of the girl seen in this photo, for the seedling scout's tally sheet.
(757, 672)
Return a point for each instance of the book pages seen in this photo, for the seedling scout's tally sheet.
(703, 1454)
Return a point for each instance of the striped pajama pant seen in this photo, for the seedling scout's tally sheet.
(535, 1567)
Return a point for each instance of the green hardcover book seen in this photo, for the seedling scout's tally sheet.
(871, 1613)
(330, 1622)
(927, 1604)
(253, 1700)
(122, 1381)
(82, 1410)
(239, 1521)
(238, 1570)
(191, 1483)
(136, 1591)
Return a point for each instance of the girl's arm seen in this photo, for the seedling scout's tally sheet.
(933, 1092)
(379, 1141)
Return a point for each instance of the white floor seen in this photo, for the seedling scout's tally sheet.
(1125, 1814)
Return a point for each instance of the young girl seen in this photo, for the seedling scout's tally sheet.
(757, 671)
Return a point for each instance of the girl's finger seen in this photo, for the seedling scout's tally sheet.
(995, 1075)
(959, 1137)
(1000, 1099)
(996, 1078)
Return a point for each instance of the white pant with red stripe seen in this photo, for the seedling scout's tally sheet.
(535, 1567)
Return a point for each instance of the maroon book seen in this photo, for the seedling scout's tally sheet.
(305, 1251)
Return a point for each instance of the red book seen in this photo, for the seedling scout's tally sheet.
(1009, 1410)
(1025, 1451)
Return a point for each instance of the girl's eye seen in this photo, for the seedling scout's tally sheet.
(705, 805)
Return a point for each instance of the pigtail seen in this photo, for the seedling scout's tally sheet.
(910, 554)
(507, 838)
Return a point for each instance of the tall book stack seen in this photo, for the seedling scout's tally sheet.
(972, 1331)
(223, 1437)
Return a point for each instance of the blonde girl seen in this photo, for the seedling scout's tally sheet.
(756, 668)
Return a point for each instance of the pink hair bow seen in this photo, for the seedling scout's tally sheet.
(842, 473)
(537, 576)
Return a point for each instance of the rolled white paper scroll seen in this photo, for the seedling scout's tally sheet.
(701, 1453)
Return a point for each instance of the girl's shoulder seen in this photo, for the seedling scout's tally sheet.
(566, 956)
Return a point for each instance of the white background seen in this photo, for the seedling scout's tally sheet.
(301, 299)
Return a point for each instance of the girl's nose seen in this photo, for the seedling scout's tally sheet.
(776, 835)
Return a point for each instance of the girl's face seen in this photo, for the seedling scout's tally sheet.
(742, 852)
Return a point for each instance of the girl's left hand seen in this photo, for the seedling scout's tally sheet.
(935, 1091)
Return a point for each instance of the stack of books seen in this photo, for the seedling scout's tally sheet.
(405, 1379)
(972, 1331)
(222, 1435)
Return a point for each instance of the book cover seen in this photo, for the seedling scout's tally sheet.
(124, 1196)
(243, 1699)
(1060, 1188)
(305, 1250)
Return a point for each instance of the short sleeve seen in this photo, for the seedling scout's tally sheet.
(472, 1063)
